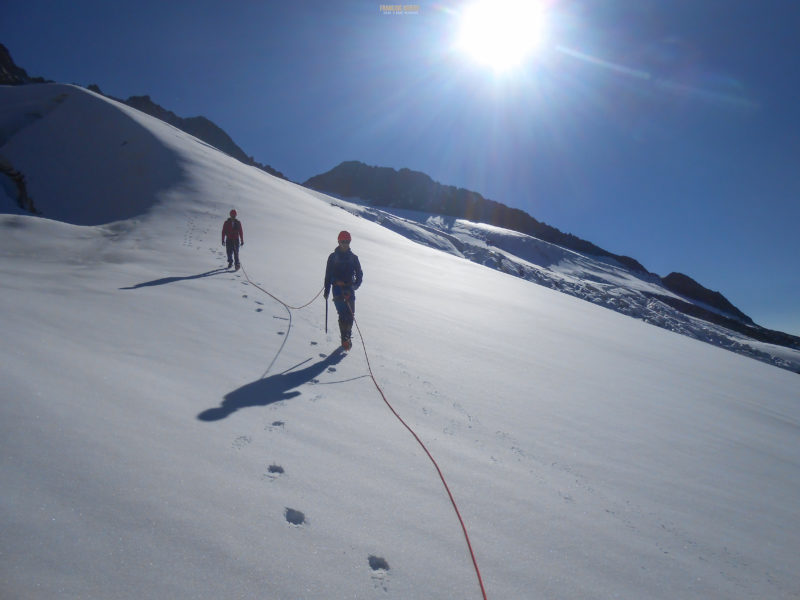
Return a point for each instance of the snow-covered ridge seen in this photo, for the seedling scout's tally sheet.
(169, 431)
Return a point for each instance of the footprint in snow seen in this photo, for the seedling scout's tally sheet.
(242, 441)
(380, 571)
(294, 517)
(273, 472)
(377, 563)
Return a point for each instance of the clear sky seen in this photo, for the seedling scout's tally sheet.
(666, 130)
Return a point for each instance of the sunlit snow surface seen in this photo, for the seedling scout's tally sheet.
(602, 281)
(592, 455)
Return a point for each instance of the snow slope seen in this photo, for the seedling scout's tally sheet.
(168, 430)
(600, 280)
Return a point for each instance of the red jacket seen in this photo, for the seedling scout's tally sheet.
(232, 228)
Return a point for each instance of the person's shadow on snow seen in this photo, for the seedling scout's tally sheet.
(269, 390)
(166, 280)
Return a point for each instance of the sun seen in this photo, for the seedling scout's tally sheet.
(501, 34)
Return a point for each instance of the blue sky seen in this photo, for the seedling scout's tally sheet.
(663, 130)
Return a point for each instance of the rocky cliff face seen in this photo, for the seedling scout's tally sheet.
(10, 73)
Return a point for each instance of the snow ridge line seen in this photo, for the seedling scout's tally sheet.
(399, 418)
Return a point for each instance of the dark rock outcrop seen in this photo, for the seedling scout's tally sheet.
(24, 201)
(720, 310)
(684, 285)
(11, 74)
(746, 326)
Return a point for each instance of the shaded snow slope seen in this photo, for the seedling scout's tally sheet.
(87, 160)
(592, 455)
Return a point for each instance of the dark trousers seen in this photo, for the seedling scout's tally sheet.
(346, 310)
(232, 247)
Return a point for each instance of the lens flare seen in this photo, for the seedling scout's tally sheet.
(501, 35)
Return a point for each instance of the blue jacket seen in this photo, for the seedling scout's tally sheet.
(343, 266)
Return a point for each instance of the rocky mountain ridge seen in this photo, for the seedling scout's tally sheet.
(412, 190)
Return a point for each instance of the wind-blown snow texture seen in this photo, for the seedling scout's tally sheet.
(169, 431)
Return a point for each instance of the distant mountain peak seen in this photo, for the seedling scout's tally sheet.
(686, 286)
(414, 190)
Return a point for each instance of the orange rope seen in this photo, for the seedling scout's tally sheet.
(399, 418)
(430, 456)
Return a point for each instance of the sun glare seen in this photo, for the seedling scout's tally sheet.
(501, 34)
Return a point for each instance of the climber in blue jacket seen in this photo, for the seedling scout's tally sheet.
(343, 274)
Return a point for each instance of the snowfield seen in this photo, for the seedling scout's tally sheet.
(170, 430)
(600, 280)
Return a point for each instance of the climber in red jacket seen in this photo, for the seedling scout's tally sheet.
(232, 238)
